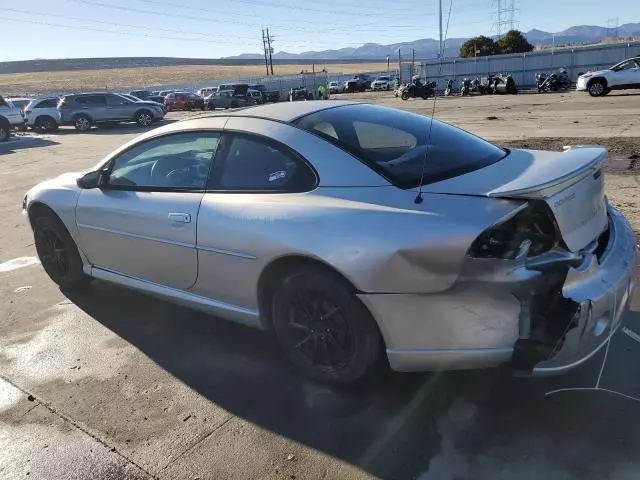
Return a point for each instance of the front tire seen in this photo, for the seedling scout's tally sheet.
(82, 123)
(144, 118)
(597, 88)
(405, 96)
(323, 328)
(58, 253)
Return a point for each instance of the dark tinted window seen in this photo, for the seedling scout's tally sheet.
(115, 100)
(92, 100)
(397, 143)
(50, 103)
(250, 163)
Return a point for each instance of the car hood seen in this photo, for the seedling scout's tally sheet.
(570, 182)
(598, 72)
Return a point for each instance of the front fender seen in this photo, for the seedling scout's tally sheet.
(61, 195)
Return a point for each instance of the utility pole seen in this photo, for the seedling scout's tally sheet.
(399, 67)
(440, 52)
(264, 49)
(269, 40)
(413, 60)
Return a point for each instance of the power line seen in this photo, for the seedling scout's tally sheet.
(117, 32)
(67, 17)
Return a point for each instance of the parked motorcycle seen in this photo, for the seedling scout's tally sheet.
(418, 90)
(477, 86)
(540, 79)
(465, 87)
(555, 82)
(449, 89)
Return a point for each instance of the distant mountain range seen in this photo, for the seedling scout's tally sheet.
(428, 47)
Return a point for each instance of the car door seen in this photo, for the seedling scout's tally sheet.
(142, 221)
(250, 175)
(624, 74)
(96, 106)
(118, 108)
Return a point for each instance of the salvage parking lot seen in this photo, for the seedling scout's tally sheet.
(115, 384)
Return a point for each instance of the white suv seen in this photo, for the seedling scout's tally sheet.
(382, 83)
(622, 76)
(42, 114)
(10, 117)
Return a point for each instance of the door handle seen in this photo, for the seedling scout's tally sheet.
(180, 217)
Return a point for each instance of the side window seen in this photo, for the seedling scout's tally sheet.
(50, 103)
(115, 100)
(253, 163)
(374, 136)
(95, 100)
(179, 161)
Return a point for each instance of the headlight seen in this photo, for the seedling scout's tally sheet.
(586, 75)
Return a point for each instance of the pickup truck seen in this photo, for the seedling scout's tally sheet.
(359, 83)
(267, 95)
(11, 117)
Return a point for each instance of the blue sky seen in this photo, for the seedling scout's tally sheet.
(211, 29)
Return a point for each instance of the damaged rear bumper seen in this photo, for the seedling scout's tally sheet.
(601, 288)
(489, 316)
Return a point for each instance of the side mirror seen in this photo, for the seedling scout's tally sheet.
(95, 179)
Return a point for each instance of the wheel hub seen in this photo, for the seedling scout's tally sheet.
(320, 332)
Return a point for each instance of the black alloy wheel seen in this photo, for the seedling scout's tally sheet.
(53, 253)
(320, 331)
(58, 252)
(322, 326)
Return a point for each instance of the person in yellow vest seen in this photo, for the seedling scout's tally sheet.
(322, 90)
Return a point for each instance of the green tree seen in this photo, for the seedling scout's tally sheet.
(513, 42)
(481, 46)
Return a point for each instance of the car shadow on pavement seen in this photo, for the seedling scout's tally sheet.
(473, 424)
(22, 142)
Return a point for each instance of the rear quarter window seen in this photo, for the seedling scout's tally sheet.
(404, 147)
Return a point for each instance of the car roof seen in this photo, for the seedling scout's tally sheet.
(288, 111)
(281, 112)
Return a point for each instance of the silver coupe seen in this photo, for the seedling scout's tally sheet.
(354, 231)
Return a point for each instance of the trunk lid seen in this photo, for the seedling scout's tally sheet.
(570, 182)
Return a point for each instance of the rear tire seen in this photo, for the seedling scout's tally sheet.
(58, 252)
(405, 96)
(82, 123)
(144, 118)
(323, 328)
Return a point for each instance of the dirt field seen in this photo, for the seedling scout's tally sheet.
(117, 78)
(113, 384)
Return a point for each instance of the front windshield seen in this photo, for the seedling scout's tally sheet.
(398, 145)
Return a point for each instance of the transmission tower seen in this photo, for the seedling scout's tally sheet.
(505, 16)
(612, 27)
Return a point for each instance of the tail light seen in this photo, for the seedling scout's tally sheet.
(532, 231)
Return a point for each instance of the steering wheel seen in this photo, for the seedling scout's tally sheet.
(182, 176)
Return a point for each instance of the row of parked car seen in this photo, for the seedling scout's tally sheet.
(361, 83)
(144, 107)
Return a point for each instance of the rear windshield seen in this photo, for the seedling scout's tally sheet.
(397, 143)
